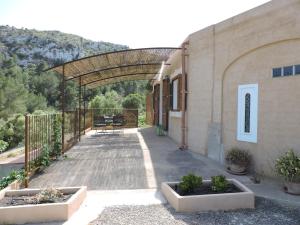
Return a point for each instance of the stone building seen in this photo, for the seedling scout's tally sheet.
(242, 86)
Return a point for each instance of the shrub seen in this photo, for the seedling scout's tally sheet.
(3, 146)
(190, 183)
(132, 101)
(14, 175)
(288, 166)
(142, 119)
(57, 146)
(12, 130)
(44, 159)
(238, 156)
(48, 195)
(219, 183)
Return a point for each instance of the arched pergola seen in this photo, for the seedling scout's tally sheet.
(111, 67)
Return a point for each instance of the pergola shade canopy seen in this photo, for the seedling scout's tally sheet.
(113, 67)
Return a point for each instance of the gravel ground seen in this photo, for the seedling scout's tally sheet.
(267, 212)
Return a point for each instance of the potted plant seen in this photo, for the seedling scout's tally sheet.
(238, 161)
(288, 166)
(193, 194)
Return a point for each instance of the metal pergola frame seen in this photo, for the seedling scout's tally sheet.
(107, 68)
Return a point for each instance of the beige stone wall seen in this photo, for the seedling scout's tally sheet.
(174, 131)
(272, 22)
(173, 70)
(200, 69)
(278, 103)
(243, 50)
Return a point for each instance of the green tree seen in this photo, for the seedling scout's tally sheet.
(35, 102)
(110, 100)
(132, 101)
(12, 131)
(12, 97)
(97, 102)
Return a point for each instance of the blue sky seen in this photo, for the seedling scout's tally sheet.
(136, 23)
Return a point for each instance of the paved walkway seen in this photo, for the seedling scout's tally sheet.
(129, 160)
(137, 160)
(128, 168)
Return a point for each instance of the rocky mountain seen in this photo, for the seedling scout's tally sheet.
(54, 47)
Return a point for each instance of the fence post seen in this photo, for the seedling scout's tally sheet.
(92, 118)
(63, 96)
(27, 135)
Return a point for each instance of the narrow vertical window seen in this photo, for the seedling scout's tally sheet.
(175, 93)
(247, 113)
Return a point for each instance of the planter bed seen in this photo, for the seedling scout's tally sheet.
(237, 196)
(17, 208)
(12, 186)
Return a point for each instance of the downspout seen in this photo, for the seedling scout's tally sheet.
(63, 101)
(183, 96)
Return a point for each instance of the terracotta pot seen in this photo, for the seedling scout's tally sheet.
(292, 188)
(237, 169)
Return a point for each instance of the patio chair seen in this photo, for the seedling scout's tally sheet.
(100, 123)
(118, 120)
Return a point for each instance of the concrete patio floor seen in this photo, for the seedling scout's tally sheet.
(127, 168)
(138, 159)
(122, 160)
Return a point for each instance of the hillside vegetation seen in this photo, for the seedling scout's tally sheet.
(26, 88)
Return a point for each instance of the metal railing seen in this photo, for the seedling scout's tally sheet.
(74, 121)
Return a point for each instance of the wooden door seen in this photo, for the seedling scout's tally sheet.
(156, 104)
(165, 104)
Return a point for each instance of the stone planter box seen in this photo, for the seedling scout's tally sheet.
(210, 202)
(48, 212)
(13, 186)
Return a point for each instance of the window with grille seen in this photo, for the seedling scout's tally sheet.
(247, 113)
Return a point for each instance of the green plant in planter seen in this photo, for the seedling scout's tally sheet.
(160, 130)
(48, 195)
(190, 183)
(14, 175)
(238, 157)
(288, 166)
(219, 183)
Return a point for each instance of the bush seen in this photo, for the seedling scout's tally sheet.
(3, 146)
(142, 119)
(238, 157)
(219, 183)
(12, 131)
(48, 195)
(44, 159)
(288, 166)
(190, 183)
(111, 100)
(57, 145)
(14, 175)
(132, 101)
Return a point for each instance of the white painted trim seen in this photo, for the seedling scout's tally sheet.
(175, 93)
(252, 89)
(175, 114)
(160, 101)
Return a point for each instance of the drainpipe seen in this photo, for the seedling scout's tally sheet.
(183, 94)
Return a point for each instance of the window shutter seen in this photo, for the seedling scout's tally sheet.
(179, 98)
(171, 95)
(186, 96)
